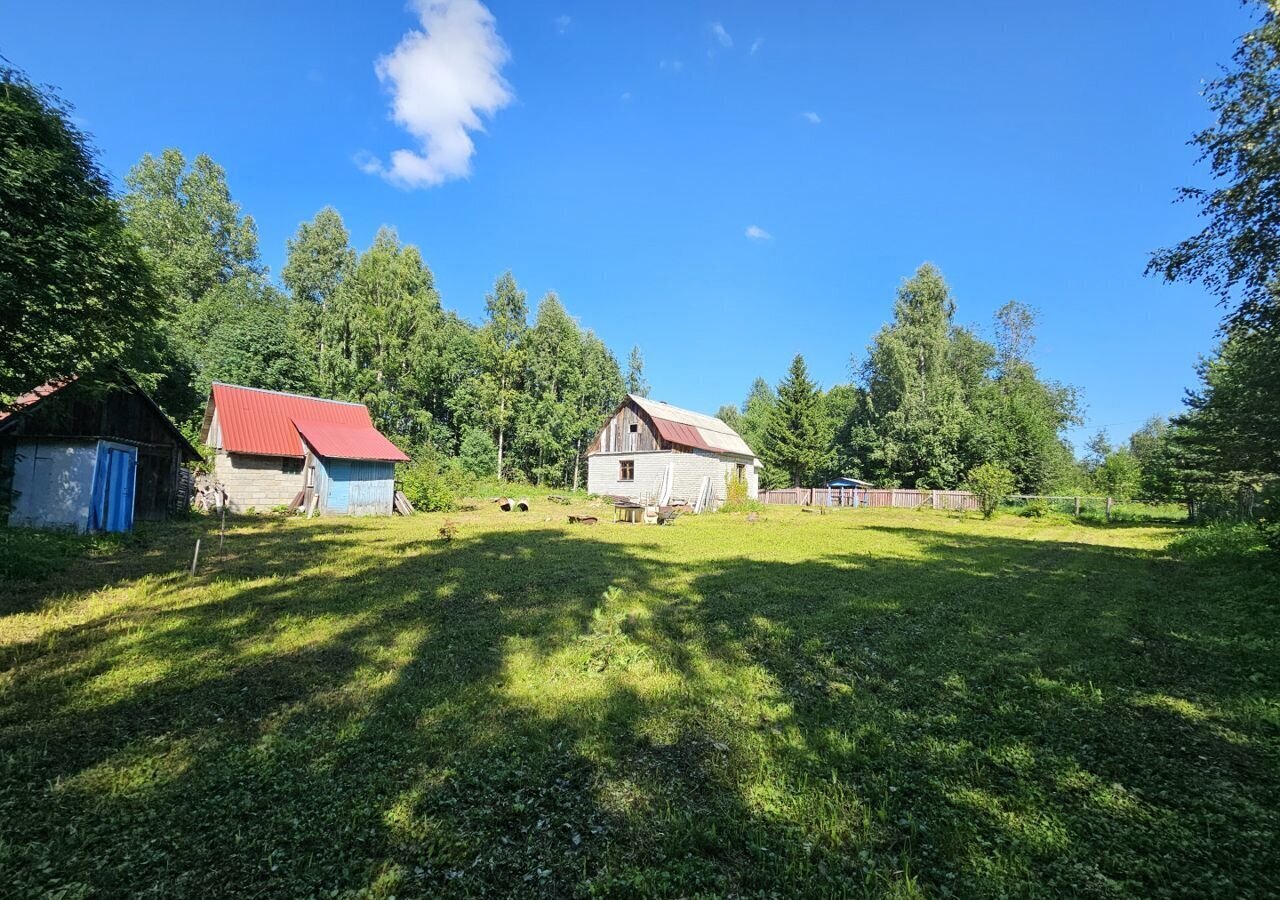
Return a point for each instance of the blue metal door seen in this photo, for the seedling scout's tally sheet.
(114, 481)
(339, 485)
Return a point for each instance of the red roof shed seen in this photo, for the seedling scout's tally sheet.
(273, 423)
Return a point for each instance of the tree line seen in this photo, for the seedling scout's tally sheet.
(1223, 452)
(931, 401)
(520, 394)
(166, 283)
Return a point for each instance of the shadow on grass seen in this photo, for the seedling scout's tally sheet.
(352, 710)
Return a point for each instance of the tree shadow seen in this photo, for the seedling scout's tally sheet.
(1012, 698)
(352, 710)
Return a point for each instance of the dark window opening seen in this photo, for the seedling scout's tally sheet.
(291, 466)
(741, 473)
(627, 470)
(634, 428)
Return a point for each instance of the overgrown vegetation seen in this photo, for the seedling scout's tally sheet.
(870, 702)
(436, 484)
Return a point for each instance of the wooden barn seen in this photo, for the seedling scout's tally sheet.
(87, 457)
(277, 449)
(655, 452)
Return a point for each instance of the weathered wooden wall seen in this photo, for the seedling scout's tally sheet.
(617, 437)
(80, 413)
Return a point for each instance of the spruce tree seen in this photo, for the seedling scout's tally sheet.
(794, 436)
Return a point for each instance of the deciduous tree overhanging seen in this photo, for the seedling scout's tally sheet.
(75, 292)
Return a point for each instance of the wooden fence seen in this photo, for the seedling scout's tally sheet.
(873, 497)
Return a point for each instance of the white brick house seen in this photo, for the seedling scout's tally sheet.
(644, 440)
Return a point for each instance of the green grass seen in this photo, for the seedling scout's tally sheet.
(863, 703)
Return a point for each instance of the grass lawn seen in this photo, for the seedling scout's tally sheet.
(883, 703)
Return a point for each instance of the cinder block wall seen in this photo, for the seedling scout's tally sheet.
(690, 468)
(255, 481)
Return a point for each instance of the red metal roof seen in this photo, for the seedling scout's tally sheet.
(262, 422)
(679, 433)
(347, 442)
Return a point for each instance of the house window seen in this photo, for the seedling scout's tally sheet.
(627, 470)
(740, 472)
(290, 466)
(634, 428)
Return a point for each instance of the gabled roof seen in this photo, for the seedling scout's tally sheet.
(691, 429)
(36, 396)
(265, 423)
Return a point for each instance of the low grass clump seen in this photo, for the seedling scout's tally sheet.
(865, 703)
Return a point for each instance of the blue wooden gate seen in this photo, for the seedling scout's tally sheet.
(114, 479)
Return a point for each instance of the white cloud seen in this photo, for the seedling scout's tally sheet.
(811, 117)
(721, 35)
(562, 23)
(670, 65)
(442, 80)
(756, 233)
(756, 45)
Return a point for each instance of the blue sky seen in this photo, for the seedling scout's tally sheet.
(1030, 150)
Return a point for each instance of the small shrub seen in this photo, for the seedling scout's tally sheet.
(1035, 509)
(448, 531)
(435, 484)
(992, 483)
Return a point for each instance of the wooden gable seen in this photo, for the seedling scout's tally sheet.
(629, 430)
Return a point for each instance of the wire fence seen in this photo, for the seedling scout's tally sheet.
(1084, 508)
(1098, 509)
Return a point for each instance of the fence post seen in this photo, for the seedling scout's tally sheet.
(1108, 509)
(1077, 507)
